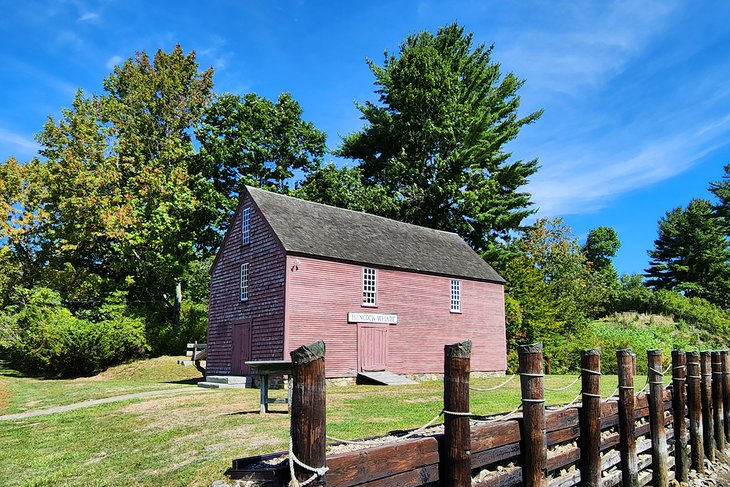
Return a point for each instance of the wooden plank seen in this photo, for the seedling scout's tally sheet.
(367, 465)
(487, 457)
(412, 478)
(493, 435)
(556, 420)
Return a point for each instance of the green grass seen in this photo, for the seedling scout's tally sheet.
(191, 439)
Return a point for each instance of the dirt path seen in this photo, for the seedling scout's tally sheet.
(96, 402)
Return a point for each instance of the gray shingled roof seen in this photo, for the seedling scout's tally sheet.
(326, 231)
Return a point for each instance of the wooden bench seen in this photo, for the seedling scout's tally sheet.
(265, 368)
(194, 354)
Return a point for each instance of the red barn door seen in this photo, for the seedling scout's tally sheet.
(372, 347)
(241, 351)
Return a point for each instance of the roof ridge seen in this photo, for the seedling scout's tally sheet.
(355, 211)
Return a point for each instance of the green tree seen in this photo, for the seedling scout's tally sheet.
(721, 189)
(251, 140)
(343, 187)
(123, 207)
(435, 140)
(601, 246)
(691, 254)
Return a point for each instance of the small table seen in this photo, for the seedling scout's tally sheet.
(264, 368)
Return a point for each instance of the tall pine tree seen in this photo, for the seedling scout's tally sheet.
(435, 139)
(691, 254)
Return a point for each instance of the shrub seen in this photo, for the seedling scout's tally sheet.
(44, 337)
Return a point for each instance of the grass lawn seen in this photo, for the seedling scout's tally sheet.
(191, 439)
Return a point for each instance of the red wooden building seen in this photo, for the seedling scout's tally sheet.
(384, 295)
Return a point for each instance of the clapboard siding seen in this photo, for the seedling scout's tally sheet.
(320, 293)
(265, 306)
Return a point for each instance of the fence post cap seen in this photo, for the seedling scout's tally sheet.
(654, 352)
(625, 352)
(591, 352)
(694, 353)
(458, 350)
(308, 353)
(531, 348)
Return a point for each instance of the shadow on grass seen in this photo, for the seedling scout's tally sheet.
(256, 412)
(190, 382)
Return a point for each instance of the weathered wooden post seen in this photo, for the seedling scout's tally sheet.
(679, 402)
(457, 433)
(726, 391)
(626, 418)
(694, 405)
(590, 418)
(718, 414)
(308, 426)
(659, 452)
(534, 439)
(708, 432)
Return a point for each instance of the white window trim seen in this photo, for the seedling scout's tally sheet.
(244, 282)
(455, 296)
(246, 226)
(365, 300)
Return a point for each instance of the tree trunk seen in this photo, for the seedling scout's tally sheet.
(176, 305)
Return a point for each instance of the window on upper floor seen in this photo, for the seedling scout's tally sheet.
(246, 226)
(244, 282)
(456, 296)
(368, 287)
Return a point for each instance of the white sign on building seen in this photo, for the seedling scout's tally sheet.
(371, 318)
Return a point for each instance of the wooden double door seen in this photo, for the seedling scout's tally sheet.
(372, 346)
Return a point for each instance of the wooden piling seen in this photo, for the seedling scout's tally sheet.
(679, 402)
(659, 452)
(308, 426)
(694, 406)
(627, 424)
(457, 433)
(708, 431)
(534, 439)
(725, 356)
(590, 418)
(718, 414)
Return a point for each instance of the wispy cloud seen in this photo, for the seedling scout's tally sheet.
(91, 17)
(16, 144)
(591, 182)
(578, 46)
(113, 61)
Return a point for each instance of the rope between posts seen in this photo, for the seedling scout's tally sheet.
(571, 403)
(487, 389)
(558, 389)
(400, 438)
(501, 418)
(318, 472)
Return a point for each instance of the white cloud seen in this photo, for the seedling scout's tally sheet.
(17, 144)
(588, 183)
(91, 17)
(113, 61)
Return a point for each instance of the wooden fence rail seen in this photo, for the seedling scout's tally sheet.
(633, 438)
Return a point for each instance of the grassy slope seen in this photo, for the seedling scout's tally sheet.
(191, 439)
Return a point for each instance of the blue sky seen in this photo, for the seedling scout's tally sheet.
(636, 94)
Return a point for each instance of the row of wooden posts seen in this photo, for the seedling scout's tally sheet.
(700, 387)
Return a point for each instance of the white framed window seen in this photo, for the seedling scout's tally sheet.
(456, 296)
(369, 287)
(246, 226)
(244, 282)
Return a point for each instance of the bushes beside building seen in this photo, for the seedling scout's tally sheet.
(41, 336)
